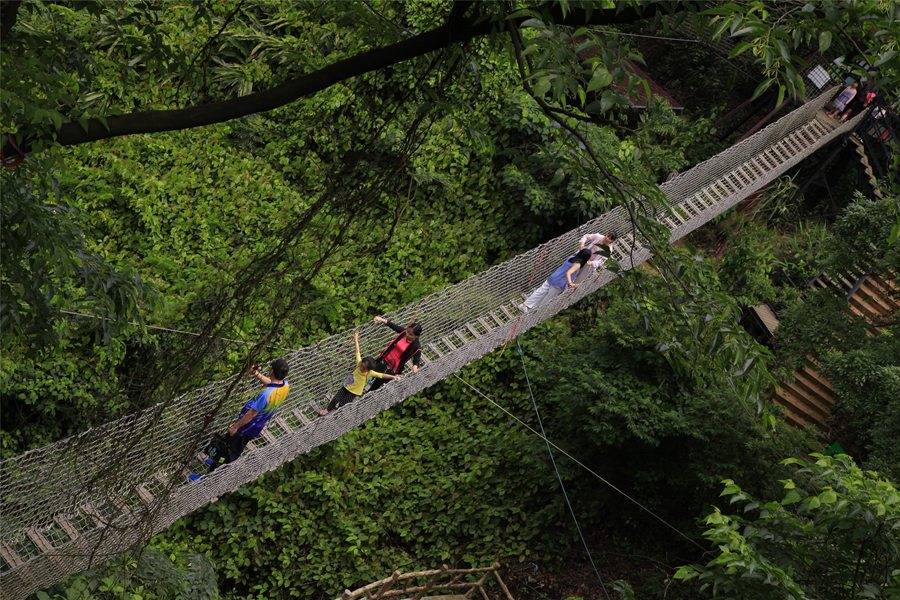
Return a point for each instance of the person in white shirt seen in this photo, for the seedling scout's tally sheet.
(592, 242)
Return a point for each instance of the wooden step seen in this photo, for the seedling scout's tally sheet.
(830, 283)
(89, 509)
(756, 168)
(486, 324)
(884, 287)
(874, 297)
(859, 300)
(856, 311)
(285, 427)
(817, 377)
(268, 436)
(846, 280)
(793, 143)
(497, 318)
(144, 494)
(301, 417)
(793, 417)
(799, 408)
(817, 407)
(769, 160)
(10, 556)
(812, 387)
(115, 501)
(38, 539)
(744, 173)
(66, 526)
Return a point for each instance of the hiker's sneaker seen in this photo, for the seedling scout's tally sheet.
(209, 462)
(194, 477)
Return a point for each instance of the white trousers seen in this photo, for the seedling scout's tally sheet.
(541, 296)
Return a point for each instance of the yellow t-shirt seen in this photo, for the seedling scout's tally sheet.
(356, 381)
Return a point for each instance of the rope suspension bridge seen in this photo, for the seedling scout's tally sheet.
(73, 504)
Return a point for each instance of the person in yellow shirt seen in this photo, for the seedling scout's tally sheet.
(355, 383)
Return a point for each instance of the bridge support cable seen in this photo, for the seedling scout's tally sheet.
(69, 506)
(562, 451)
(562, 486)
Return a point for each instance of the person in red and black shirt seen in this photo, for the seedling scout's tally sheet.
(403, 347)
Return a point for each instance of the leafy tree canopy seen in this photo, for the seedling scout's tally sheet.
(89, 70)
(832, 534)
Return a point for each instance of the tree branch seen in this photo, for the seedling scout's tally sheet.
(72, 133)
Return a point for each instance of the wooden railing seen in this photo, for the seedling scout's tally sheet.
(446, 583)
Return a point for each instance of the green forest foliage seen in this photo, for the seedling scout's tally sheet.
(405, 181)
(832, 534)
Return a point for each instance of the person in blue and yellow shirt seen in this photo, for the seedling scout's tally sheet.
(253, 417)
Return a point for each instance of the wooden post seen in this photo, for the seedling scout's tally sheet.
(386, 586)
(477, 586)
(502, 585)
(429, 585)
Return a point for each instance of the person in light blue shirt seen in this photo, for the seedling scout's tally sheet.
(565, 276)
(843, 99)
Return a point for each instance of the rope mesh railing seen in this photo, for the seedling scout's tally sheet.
(101, 491)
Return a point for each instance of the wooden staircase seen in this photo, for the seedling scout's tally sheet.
(867, 166)
(808, 398)
(871, 297)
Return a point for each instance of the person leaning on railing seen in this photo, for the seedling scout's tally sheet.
(253, 418)
(563, 277)
(404, 347)
(594, 242)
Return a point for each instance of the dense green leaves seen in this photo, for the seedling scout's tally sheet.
(778, 36)
(651, 383)
(833, 534)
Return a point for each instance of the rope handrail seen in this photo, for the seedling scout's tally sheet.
(62, 508)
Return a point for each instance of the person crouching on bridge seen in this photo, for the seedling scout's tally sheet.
(252, 419)
(403, 347)
(563, 277)
(355, 383)
(598, 244)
